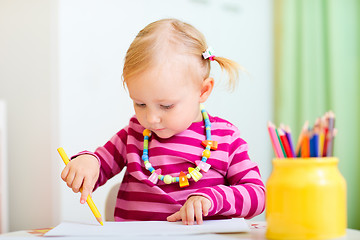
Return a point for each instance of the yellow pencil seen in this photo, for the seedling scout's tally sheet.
(89, 200)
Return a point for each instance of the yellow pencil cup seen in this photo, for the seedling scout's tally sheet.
(306, 199)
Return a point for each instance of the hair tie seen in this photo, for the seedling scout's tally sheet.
(209, 54)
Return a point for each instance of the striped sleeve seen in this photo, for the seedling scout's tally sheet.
(244, 196)
(112, 157)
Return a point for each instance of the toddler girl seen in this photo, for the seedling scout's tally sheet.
(181, 163)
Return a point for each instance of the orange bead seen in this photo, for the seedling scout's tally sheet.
(183, 182)
(213, 144)
(146, 132)
(206, 153)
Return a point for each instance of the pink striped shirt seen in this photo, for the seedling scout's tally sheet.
(233, 183)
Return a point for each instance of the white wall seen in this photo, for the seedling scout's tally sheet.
(93, 39)
(60, 68)
(27, 84)
(4, 194)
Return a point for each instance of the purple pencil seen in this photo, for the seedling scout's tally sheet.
(289, 138)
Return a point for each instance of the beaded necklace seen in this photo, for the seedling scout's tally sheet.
(194, 173)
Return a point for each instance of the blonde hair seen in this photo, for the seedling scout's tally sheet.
(181, 36)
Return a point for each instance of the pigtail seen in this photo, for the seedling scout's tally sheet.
(232, 68)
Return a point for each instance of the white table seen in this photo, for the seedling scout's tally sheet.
(257, 232)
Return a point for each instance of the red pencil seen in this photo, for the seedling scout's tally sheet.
(285, 143)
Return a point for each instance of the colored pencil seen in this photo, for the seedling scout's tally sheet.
(281, 145)
(326, 125)
(329, 149)
(285, 143)
(321, 136)
(314, 145)
(289, 138)
(300, 139)
(314, 140)
(305, 146)
(274, 141)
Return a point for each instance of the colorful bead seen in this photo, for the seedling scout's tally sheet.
(167, 179)
(154, 177)
(147, 132)
(195, 174)
(206, 153)
(203, 165)
(183, 182)
(208, 134)
(206, 117)
(148, 165)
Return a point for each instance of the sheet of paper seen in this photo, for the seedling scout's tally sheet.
(148, 228)
(209, 236)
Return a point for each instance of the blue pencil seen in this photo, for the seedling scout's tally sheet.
(314, 145)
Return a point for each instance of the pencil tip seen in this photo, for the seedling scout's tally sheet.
(287, 129)
(306, 124)
(99, 219)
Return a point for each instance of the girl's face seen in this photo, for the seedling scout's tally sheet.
(166, 98)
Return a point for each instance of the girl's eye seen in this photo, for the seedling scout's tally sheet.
(167, 106)
(140, 105)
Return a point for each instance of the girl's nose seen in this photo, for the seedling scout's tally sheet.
(152, 116)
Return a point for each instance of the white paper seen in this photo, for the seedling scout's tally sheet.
(148, 228)
(209, 236)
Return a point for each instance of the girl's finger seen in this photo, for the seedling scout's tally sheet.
(64, 173)
(87, 188)
(77, 182)
(189, 214)
(174, 217)
(206, 204)
(183, 215)
(198, 212)
(70, 178)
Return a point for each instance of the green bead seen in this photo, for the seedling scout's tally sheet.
(167, 179)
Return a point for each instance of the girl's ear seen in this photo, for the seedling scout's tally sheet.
(206, 89)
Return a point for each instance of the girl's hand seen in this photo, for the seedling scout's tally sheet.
(195, 206)
(81, 173)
